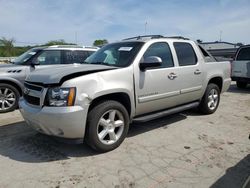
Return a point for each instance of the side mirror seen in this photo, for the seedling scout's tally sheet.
(34, 63)
(150, 62)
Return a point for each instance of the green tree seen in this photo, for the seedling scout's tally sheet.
(58, 42)
(100, 42)
(8, 46)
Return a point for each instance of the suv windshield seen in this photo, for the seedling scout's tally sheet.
(25, 56)
(117, 54)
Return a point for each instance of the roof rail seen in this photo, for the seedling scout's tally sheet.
(65, 46)
(155, 37)
(92, 47)
(177, 37)
(144, 36)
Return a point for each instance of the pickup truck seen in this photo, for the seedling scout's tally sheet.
(12, 75)
(241, 67)
(138, 79)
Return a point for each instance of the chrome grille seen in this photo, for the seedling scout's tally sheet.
(33, 94)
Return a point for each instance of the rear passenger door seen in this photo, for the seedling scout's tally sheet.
(189, 72)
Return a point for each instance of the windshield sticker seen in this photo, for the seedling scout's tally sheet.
(32, 53)
(125, 49)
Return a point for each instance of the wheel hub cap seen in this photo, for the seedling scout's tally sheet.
(7, 98)
(110, 127)
(213, 99)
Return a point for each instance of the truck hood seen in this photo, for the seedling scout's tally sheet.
(7, 65)
(57, 74)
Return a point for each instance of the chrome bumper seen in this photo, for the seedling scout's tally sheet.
(66, 122)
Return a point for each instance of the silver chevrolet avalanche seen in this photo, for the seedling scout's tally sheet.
(138, 79)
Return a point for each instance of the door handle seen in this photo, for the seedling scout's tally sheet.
(172, 76)
(197, 71)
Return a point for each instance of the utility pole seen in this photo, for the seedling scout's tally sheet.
(76, 37)
(220, 35)
(146, 23)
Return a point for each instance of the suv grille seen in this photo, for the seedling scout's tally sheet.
(32, 87)
(32, 100)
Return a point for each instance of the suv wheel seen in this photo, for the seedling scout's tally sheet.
(9, 97)
(211, 99)
(241, 85)
(107, 126)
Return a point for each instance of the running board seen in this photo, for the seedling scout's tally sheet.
(160, 114)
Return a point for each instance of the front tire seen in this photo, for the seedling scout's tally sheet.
(9, 97)
(211, 99)
(107, 126)
(241, 85)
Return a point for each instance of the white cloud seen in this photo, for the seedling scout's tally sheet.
(42, 20)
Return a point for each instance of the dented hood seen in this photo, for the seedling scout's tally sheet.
(57, 74)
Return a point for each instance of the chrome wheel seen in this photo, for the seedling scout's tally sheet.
(110, 127)
(7, 98)
(213, 99)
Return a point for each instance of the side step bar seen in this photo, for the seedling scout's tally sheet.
(160, 114)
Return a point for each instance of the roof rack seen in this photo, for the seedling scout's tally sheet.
(65, 46)
(144, 36)
(177, 37)
(155, 37)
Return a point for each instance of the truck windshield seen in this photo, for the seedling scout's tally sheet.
(25, 56)
(117, 54)
(244, 54)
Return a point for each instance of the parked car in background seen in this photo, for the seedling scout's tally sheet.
(138, 79)
(241, 67)
(13, 75)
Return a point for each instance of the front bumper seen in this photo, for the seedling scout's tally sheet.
(66, 122)
(241, 79)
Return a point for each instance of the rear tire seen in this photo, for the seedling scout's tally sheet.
(107, 126)
(9, 97)
(211, 99)
(241, 85)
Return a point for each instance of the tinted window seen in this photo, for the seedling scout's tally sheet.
(162, 50)
(119, 54)
(49, 57)
(244, 54)
(78, 56)
(185, 54)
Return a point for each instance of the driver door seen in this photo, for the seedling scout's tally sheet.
(156, 88)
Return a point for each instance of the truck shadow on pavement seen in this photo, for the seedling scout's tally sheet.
(21, 143)
(235, 176)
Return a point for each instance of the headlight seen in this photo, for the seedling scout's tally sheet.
(61, 96)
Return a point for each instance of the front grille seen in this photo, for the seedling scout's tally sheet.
(32, 100)
(32, 87)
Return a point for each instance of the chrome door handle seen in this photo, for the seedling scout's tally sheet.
(197, 71)
(172, 76)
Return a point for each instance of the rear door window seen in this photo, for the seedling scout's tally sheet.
(48, 57)
(185, 54)
(244, 54)
(77, 56)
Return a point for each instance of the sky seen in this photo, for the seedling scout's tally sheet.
(83, 21)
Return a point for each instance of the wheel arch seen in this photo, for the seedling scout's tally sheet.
(12, 83)
(217, 81)
(121, 97)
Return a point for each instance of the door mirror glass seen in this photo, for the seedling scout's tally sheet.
(150, 62)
